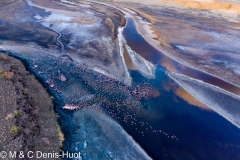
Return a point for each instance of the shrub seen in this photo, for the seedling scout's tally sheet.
(17, 114)
(1, 71)
(15, 130)
(25, 92)
(4, 74)
(5, 58)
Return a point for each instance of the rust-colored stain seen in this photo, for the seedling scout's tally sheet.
(128, 59)
(190, 99)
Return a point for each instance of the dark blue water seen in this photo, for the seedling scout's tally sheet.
(200, 134)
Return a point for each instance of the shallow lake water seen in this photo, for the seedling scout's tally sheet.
(163, 124)
(179, 130)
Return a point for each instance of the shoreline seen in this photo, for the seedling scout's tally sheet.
(152, 42)
(34, 129)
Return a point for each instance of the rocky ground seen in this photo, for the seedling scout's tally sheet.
(28, 120)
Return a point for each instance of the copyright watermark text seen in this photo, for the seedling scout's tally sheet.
(39, 155)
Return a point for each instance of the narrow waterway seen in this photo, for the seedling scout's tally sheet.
(58, 39)
(59, 36)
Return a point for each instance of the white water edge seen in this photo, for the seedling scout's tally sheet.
(146, 68)
(149, 37)
(128, 79)
(90, 122)
(222, 102)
